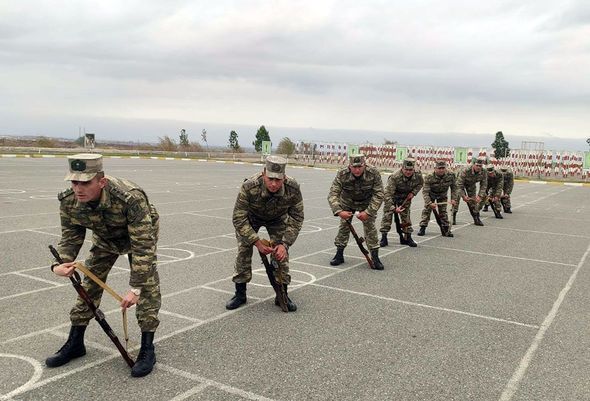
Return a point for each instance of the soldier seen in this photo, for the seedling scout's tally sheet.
(466, 183)
(122, 222)
(493, 191)
(436, 187)
(356, 188)
(508, 175)
(273, 200)
(402, 186)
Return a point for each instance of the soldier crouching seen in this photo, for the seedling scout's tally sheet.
(272, 200)
(122, 221)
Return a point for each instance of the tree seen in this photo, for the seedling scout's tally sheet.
(167, 144)
(286, 147)
(500, 146)
(233, 141)
(184, 143)
(261, 135)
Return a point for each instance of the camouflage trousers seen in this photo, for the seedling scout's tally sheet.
(243, 265)
(369, 228)
(442, 212)
(404, 218)
(100, 263)
(506, 202)
(488, 200)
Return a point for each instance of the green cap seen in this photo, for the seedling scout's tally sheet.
(480, 161)
(357, 160)
(84, 166)
(490, 167)
(275, 167)
(409, 163)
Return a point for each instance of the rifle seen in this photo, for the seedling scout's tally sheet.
(469, 206)
(439, 221)
(98, 314)
(398, 226)
(270, 267)
(494, 209)
(359, 242)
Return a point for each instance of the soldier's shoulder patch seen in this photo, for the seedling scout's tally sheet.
(64, 194)
(125, 196)
(252, 182)
(343, 171)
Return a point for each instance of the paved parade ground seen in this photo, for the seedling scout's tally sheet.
(500, 312)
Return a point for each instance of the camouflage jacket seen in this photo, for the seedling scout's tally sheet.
(256, 203)
(399, 186)
(123, 222)
(437, 187)
(364, 193)
(495, 184)
(508, 181)
(466, 179)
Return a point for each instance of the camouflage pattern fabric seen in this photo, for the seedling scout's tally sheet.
(123, 222)
(396, 192)
(436, 189)
(467, 179)
(281, 213)
(508, 186)
(350, 193)
(495, 186)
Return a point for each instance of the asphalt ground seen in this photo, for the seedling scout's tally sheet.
(496, 313)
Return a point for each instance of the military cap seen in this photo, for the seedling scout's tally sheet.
(504, 168)
(441, 163)
(480, 160)
(409, 163)
(84, 166)
(275, 167)
(357, 159)
(490, 167)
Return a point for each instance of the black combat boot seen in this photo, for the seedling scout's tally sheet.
(383, 241)
(291, 307)
(146, 357)
(376, 262)
(338, 259)
(239, 299)
(499, 215)
(402, 240)
(485, 208)
(454, 218)
(507, 210)
(73, 348)
(448, 232)
(476, 220)
(422, 231)
(410, 241)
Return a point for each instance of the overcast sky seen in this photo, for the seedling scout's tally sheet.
(522, 67)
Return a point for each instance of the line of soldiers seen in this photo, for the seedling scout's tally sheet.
(124, 222)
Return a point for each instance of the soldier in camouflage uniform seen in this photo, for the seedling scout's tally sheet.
(436, 187)
(493, 191)
(467, 179)
(402, 186)
(356, 188)
(123, 222)
(508, 175)
(273, 200)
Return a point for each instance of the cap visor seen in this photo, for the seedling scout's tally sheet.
(80, 177)
(270, 174)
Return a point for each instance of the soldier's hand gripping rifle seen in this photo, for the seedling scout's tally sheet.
(98, 314)
(398, 225)
(443, 231)
(270, 268)
(359, 242)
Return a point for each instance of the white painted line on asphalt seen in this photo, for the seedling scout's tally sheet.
(537, 182)
(25, 229)
(27, 215)
(209, 216)
(218, 385)
(573, 184)
(37, 278)
(498, 255)
(189, 393)
(540, 232)
(179, 316)
(522, 368)
(210, 247)
(37, 372)
(460, 312)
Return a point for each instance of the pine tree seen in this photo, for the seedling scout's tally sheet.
(261, 135)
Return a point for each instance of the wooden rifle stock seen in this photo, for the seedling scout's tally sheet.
(438, 220)
(359, 242)
(277, 287)
(98, 314)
